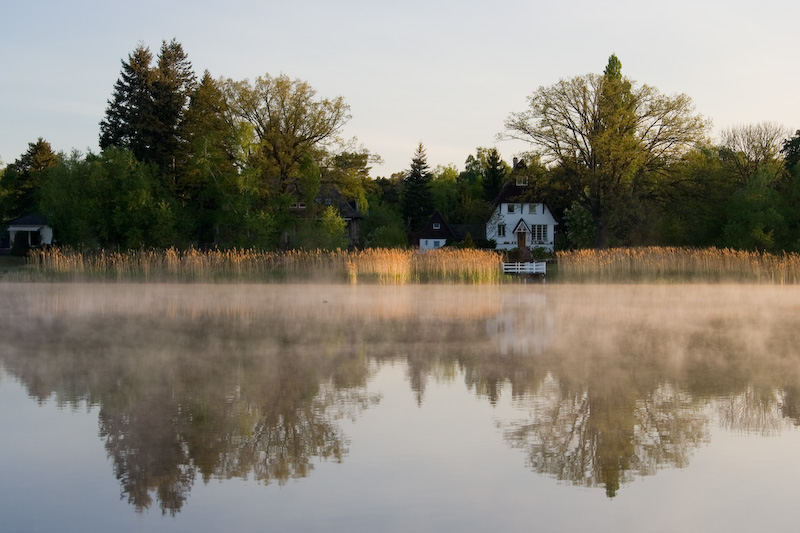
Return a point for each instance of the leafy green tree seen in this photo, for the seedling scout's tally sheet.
(289, 123)
(21, 181)
(754, 219)
(690, 206)
(580, 227)
(608, 136)
(207, 179)
(417, 201)
(445, 191)
(109, 200)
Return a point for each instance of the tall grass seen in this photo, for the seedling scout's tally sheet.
(679, 264)
(388, 266)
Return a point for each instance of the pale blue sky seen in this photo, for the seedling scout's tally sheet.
(444, 73)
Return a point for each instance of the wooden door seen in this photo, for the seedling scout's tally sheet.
(520, 239)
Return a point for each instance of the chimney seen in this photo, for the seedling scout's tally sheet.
(515, 163)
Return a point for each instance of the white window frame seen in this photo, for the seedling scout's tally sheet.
(436, 225)
(510, 208)
(501, 230)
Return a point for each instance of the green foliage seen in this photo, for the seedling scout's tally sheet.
(791, 152)
(329, 232)
(580, 227)
(289, 124)
(494, 175)
(417, 201)
(21, 181)
(393, 236)
(108, 200)
(445, 191)
(147, 107)
(611, 141)
(754, 221)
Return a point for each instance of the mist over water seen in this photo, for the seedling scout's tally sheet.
(569, 394)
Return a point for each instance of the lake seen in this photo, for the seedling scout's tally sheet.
(247, 407)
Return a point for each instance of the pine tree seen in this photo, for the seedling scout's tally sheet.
(494, 175)
(173, 82)
(22, 179)
(129, 119)
(148, 105)
(417, 202)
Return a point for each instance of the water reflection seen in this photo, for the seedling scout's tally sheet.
(202, 382)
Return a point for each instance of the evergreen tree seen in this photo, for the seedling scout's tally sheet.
(22, 180)
(173, 83)
(417, 202)
(129, 121)
(206, 176)
(148, 104)
(494, 175)
(791, 152)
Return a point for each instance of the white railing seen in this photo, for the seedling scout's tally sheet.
(539, 267)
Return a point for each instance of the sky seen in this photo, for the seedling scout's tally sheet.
(444, 73)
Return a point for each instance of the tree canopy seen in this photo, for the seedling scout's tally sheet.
(607, 134)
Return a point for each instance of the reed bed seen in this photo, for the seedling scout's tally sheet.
(386, 266)
(678, 264)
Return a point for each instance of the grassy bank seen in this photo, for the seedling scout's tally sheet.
(390, 266)
(677, 264)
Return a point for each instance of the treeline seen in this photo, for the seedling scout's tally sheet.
(198, 161)
(205, 162)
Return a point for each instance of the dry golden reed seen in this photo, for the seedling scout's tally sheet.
(387, 266)
(680, 264)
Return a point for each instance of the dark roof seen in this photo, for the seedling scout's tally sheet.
(328, 195)
(29, 220)
(428, 232)
(511, 192)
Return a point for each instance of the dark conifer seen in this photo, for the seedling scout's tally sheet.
(129, 116)
(417, 203)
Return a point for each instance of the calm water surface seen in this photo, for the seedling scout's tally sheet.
(424, 408)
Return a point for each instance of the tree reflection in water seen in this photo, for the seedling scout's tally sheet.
(253, 381)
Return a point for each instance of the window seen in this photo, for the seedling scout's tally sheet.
(511, 208)
(501, 230)
(437, 244)
(539, 233)
(436, 225)
(532, 209)
(522, 180)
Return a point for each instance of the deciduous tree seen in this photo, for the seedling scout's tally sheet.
(607, 133)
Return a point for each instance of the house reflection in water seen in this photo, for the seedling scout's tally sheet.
(523, 326)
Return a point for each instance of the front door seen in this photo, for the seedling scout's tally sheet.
(520, 239)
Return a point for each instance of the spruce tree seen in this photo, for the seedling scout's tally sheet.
(493, 176)
(417, 202)
(22, 180)
(148, 105)
(173, 82)
(129, 120)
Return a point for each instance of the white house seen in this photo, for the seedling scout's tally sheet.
(518, 222)
(33, 228)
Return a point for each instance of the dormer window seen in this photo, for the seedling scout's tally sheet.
(522, 180)
(436, 225)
